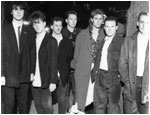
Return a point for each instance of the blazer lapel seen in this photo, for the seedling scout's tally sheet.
(134, 54)
(23, 38)
(13, 38)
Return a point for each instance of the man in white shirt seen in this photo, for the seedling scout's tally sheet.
(64, 58)
(17, 41)
(45, 58)
(107, 84)
(134, 68)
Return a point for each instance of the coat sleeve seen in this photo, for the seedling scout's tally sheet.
(32, 50)
(65, 53)
(3, 46)
(53, 60)
(78, 44)
(124, 62)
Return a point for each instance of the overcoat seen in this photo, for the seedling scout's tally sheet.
(128, 66)
(82, 62)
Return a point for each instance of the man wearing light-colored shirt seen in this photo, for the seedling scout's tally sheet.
(107, 84)
(44, 56)
(134, 68)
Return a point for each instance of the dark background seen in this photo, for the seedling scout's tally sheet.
(59, 8)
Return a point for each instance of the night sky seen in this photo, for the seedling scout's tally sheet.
(59, 8)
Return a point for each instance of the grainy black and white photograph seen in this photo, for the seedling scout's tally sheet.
(75, 57)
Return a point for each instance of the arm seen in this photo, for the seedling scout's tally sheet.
(124, 62)
(78, 44)
(65, 56)
(53, 60)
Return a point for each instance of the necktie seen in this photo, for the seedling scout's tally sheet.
(19, 37)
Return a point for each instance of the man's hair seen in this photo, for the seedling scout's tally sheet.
(71, 12)
(37, 15)
(97, 11)
(142, 14)
(20, 4)
(57, 19)
(93, 13)
(111, 18)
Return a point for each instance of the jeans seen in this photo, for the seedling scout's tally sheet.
(142, 108)
(62, 97)
(107, 91)
(42, 99)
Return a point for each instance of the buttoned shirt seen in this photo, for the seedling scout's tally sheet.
(37, 76)
(16, 31)
(103, 62)
(142, 41)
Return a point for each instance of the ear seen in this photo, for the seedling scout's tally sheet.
(66, 20)
(116, 27)
(51, 27)
(91, 20)
(44, 24)
(137, 23)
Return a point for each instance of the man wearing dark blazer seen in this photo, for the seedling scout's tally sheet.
(107, 87)
(45, 64)
(64, 58)
(17, 42)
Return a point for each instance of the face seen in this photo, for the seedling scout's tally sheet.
(143, 24)
(71, 20)
(17, 13)
(110, 28)
(57, 27)
(97, 20)
(39, 25)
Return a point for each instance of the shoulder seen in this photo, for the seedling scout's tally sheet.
(7, 26)
(84, 32)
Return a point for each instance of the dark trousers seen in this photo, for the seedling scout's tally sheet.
(142, 108)
(42, 99)
(72, 86)
(9, 96)
(62, 97)
(134, 106)
(107, 91)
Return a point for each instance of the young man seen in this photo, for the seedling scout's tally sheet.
(107, 84)
(70, 32)
(83, 60)
(134, 68)
(64, 58)
(17, 42)
(45, 64)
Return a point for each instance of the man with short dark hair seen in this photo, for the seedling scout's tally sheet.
(64, 58)
(107, 83)
(17, 41)
(134, 68)
(45, 63)
(70, 32)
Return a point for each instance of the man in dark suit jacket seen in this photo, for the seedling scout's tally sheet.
(64, 58)
(17, 42)
(45, 64)
(107, 84)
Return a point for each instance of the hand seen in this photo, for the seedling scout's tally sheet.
(3, 81)
(31, 77)
(52, 87)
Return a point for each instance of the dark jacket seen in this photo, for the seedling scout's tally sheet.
(64, 59)
(128, 66)
(48, 60)
(16, 65)
(71, 37)
(112, 57)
